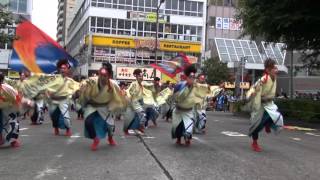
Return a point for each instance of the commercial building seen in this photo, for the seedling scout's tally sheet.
(222, 40)
(21, 9)
(66, 12)
(124, 33)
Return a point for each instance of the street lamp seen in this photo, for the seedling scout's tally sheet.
(157, 31)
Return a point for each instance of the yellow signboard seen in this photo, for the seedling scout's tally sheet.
(229, 85)
(13, 74)
(244, 85)
(149, 43)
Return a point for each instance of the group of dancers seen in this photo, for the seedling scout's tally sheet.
(100, 100)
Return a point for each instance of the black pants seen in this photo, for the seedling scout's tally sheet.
(89, 126)
(266, 121)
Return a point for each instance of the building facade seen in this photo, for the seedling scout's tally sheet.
(21, 9)
(124, 33)
(66, 12)
(222, 40)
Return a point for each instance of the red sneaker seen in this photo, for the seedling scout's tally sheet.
(68, 132)
(94, 145)
(188, 142)
(178, 142)
(111, 141)
(255, 146)
(56, 131)
(15, 144)
(141, 128)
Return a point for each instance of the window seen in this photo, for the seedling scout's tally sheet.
(128, 25)
(140, 26)
(168, 4)
(22, 6)
(99, 22)
(107, 22)
(120, 23)
(13, 5)
(114, 23)
(93, 21)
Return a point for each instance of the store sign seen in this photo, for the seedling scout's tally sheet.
(235, 25)
(146, 43)
(126, 73)
(225, 24)
(143, 43)
(228, 24)
(193, 59)
(219, 22)
(148, 17)
(124, 53)
(229, 85)
(13, 74)
(244, 85)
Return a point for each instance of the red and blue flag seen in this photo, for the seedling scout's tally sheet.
(36, 51)
(173, 66)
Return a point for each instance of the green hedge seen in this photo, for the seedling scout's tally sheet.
(298, 109)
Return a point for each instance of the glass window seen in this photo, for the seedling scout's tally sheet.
(93, 21)
(108, 1)
(129, 2)
(140, 26)
(22, 6)
(135, 2)
(147, 26)
(199, 31)
(120, 23)
(13, 5)
(107, 22)
(193, 30)
(174, 28)
(194, 6)
(154, 27)
(200, 7)
(181, 5)
(187, 30)
(168, 4)
(99, 22)
(141, 3)
(175, 4)
(160, 28)
(180, 29)
(122, 1)
(128, 25)
(148, 3)
(114, 23)
(188, 6)
(154, 3)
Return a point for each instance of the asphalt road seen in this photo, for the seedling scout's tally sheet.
(222, 153)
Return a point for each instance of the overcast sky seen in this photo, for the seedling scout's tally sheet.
(44, 16)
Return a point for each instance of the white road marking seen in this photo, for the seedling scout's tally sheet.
(24, 135)
(296, 139)
(198, 139)
(312, 134)
(59, 155)
(233, 134)
(148, 137)
(46, 172)
(216, 120)
(73, 138)
(22, 129)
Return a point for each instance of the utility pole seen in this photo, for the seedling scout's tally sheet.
(243, 61)
(157, 31)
